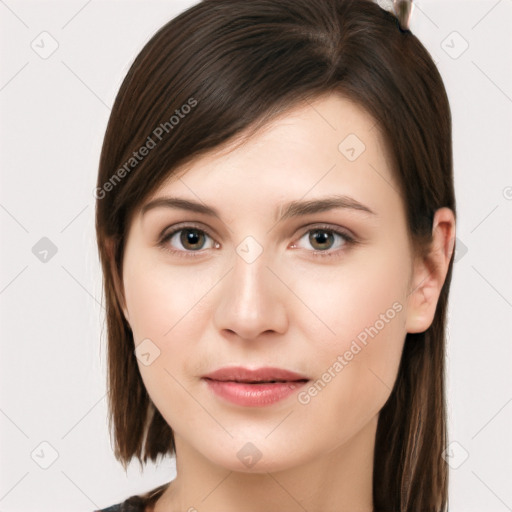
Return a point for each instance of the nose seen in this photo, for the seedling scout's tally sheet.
(251, 300)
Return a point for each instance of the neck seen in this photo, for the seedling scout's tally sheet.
(340, 480)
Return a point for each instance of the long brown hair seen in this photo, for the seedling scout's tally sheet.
(224, 66)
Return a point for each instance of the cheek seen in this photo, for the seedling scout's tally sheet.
(356, 367)
(161, 299)
(360, 313)
(343, 302)
(166, 306)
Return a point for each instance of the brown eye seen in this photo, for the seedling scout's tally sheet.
(326, 241)
(192, 239)
(186, 240)
(321, 239)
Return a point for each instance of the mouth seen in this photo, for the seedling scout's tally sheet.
(256, 382)
(267, 375)
(254, 388)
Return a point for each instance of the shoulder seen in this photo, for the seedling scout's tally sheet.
(125, 506)
(137, 503)
(112, 508)
(132, 504)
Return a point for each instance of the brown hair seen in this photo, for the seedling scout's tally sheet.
(227, 66)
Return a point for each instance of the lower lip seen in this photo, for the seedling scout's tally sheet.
(253, 395)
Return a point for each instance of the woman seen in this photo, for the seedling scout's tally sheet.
(276, 223)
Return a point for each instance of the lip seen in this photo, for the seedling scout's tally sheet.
(251, 388)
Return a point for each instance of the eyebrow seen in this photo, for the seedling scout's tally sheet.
(291, 209)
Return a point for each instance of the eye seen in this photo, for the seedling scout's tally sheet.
(189, 237)
(190, 241)
(323, 238)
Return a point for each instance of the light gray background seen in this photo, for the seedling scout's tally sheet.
(54, 112)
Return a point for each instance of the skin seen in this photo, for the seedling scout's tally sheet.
(287, 308)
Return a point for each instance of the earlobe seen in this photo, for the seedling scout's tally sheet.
(430, 273)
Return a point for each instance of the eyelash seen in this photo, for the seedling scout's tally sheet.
(348, 241)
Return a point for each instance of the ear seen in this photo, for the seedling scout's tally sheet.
(118, 284)
(429, 273)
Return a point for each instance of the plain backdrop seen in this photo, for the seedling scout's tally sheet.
(61, 66)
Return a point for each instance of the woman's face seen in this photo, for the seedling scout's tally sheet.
(257, 287)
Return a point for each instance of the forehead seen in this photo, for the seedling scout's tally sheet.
(326, 145)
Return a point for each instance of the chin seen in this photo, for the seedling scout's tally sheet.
(253, 458)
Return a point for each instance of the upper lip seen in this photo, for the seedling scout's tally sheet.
(264, 374)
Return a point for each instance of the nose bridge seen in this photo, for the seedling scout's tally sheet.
(250, 301)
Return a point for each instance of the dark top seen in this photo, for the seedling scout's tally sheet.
(139, 502)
